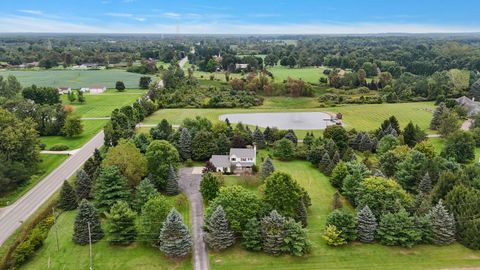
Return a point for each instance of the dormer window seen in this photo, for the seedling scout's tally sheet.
(234, 159)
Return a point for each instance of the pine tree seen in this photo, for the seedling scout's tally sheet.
(87, 214)
(273, 233)
(336, 157)
(366, 225)
(295, 241)
(172, 182)
(83, 185)
(111, 186)
(91, 168)
(121, 224)
(437, 116)
(252, 235)
(175, 240)
(301, 214)
(267, 168)
(443, 225)
(258, 138)
(223, 143)
(68, 198)
(218, 234)
(145, 190)
(185, 144)
(425, 185)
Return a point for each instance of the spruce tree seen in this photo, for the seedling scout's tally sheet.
(339, 173)
(336, 201)
(68, 198)
(172, 182)
(336, 157)
(425, 185)
(443, 225)
(273, 233)
(185, 144)
(267, 168)
(223, 143)
(111, 186)
(366, 225)
(121, 224)
(175, 239)
(252, 235)
(91, 168)
(291, 136)
(83, 185)
(218, 234)
(87, 214)
(301, 214)
(145, 190)
(325, 164)
(258, 138)
(437, 116)
(295, 241)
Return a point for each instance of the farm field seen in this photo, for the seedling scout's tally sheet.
(361, 117)
(48, 164)
(71, 256)
(352, 256)
(308, 74)
(75, 78)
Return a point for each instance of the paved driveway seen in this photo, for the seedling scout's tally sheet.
(190, 185)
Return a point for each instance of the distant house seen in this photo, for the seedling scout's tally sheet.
(64, 90)
(471, 106)
(241, 66)
(96, 89)
(239, 159)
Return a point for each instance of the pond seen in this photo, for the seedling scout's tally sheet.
(283, 120)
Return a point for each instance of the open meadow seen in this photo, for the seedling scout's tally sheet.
(75, 79)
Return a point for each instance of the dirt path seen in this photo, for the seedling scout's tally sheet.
(190, 185)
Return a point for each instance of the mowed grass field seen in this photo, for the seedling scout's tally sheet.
(96, 106)
(75, 78)
(352, 256)
(48, 164)
(138, 256)
(308, 74)
(361, 117)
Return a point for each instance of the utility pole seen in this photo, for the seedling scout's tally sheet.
(90, 244)
(56, 228)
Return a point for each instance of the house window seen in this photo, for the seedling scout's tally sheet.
(250, 159)
(244, 159)
(233, 159)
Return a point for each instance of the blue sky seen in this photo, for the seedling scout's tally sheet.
(240, 17)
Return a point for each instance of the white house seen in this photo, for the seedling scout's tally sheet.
(239, 159)
(241, 66)
(64, 90)
(96, 89)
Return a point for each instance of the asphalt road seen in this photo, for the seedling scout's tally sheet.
(12, 216)
(190, 184)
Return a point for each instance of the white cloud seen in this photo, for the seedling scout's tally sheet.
(31, 11)
(42, 24)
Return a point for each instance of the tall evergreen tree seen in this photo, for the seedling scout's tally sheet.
(437, 116)
(336, 201)
(145, 190)
(223, 143)
(425, 185)
(83, 185)
(252, 235)
(410, 135)
(258, 138)
(326, 164)
(443, 225)
(185, 144)
(217, 232)
(68, 198)
(366, 225)
(121, 224)
(172, 182)
(267, 168)
(87, 214)
(273, 233)
(111, 186)
(175, 240)
(295, 241)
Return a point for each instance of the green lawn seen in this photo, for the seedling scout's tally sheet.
(360, 117)
(90, 128)
(48, 164)
(439, 142)
(101, 105)
(353, 256)
(138, 256)
(308, 74)
(75, 78)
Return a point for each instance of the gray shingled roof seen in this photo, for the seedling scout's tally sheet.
(220, 161)
(472, 107)
(243, 152)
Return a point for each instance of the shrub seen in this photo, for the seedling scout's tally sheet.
(398, 229)
(59, 147)
(345, 222)
(210, 186)
(333, 236)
